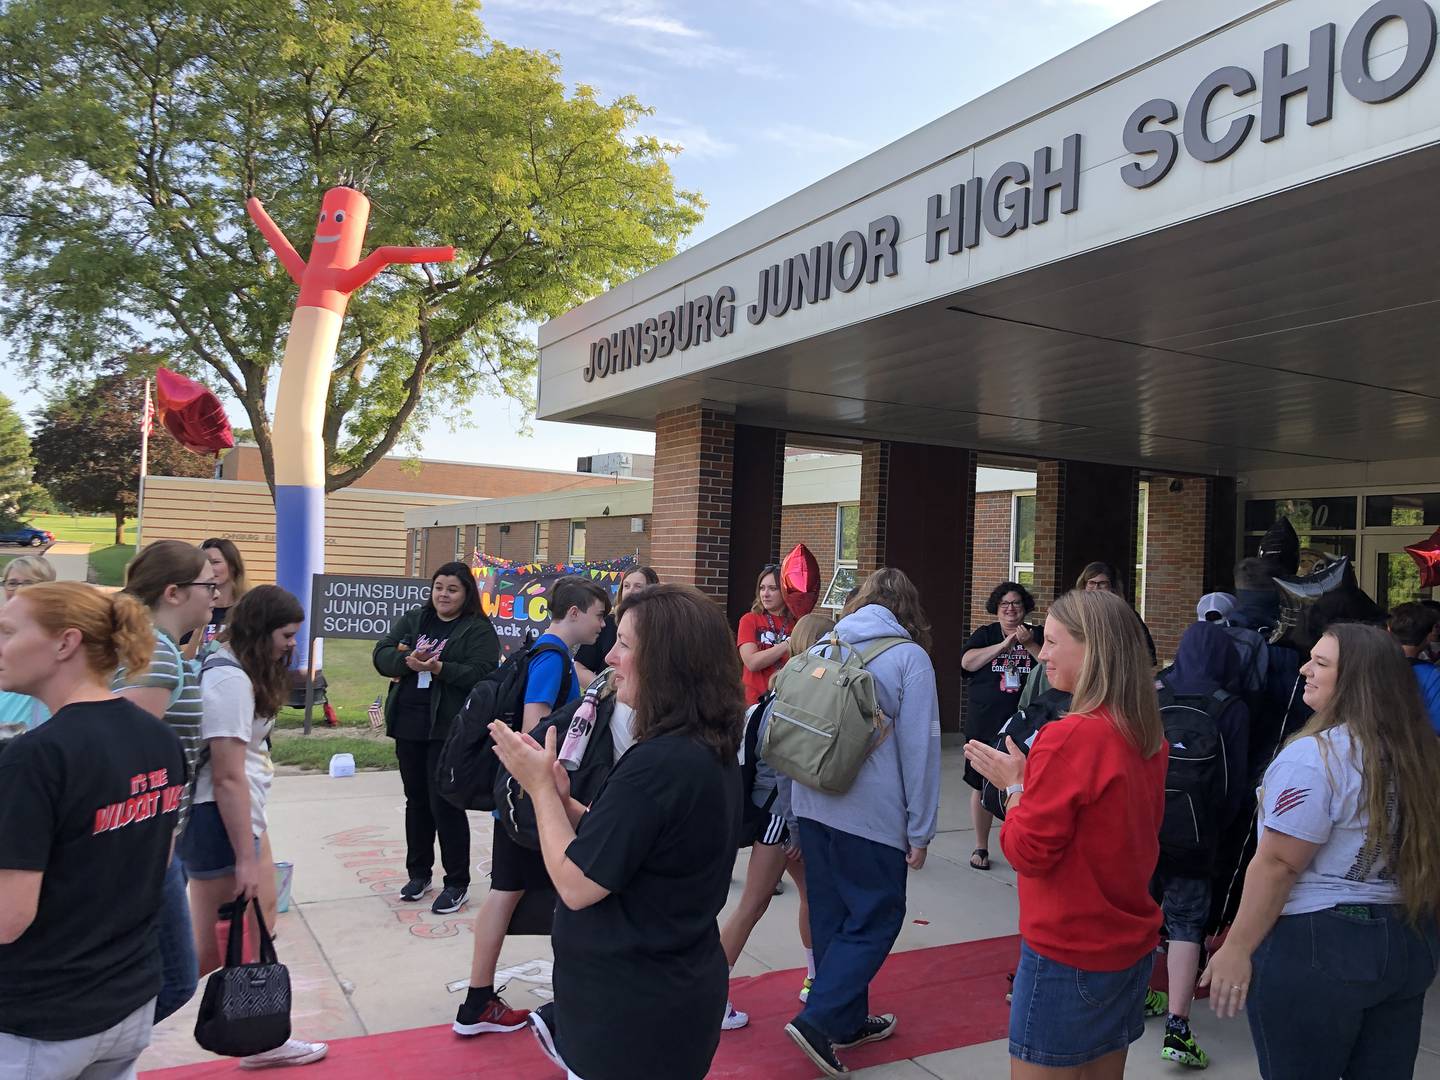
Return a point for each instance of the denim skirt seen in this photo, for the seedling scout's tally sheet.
(1061, 1016)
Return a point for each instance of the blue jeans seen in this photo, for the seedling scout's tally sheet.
(177, 943)
(857, 906)
(1341, 992)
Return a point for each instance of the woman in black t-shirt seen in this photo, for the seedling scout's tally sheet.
(434, 655)
(997, 660)
(644, 871)
(88, 802)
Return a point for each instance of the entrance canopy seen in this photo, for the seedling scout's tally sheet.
(1206, 241)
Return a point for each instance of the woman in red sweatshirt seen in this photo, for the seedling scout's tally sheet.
(1082, 829)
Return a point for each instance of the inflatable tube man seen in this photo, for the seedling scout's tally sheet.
(334, 271)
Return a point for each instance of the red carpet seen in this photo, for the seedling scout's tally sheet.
(945, 997)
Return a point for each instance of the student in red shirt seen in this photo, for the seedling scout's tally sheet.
(762, 635)
(1082, 829)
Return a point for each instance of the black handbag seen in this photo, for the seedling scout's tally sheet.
(246, 1007)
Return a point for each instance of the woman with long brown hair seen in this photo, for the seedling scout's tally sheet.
(1335, 942)
(88, 802)
(643, 872)
(230, 585)
(859, 847)
(762, 633)
(1082, 830)
(243, 683)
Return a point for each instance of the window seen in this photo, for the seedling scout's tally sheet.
(1414, 510)
(1326, 526)
(847, 533)
(417, 551)
(844, 579)
(577, 541)
(1142, 541)
(1022, 539)
(460, 543)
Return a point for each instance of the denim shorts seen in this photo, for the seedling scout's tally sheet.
(1062, 1017)
(205, 847)
(1186, 904)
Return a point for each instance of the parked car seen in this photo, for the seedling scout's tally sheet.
(27, 535)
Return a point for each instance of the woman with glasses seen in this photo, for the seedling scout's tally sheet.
(997, 660)
(177, 586)
(763, 635)
(1102, 576)
(230, 586)
(21, 712)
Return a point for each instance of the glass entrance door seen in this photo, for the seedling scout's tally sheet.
(1390, 574)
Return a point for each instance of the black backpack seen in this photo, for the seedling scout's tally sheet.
(1050, 705)
(468, 766)
(1197, 778)
(753, 818)
(516, 810)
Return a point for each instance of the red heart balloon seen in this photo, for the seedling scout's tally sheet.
(800, 581)
(1427, 557)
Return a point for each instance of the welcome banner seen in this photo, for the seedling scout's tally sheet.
(516, 596)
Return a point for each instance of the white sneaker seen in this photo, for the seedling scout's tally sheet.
(734, 1018)
(293, 1052)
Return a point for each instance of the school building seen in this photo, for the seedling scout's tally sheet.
(1195, 257)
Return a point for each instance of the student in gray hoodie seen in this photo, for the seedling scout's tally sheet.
(857, 846)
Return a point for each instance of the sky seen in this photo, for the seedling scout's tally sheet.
(765, 97)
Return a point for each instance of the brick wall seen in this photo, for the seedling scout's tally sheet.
(874, 488)
(611, 538)
(694, 468)
(1049, 523)
(518, 545)
(439, 548)
(559, 549)
(436, 477)
(813, 526)
(993, 511)
(1175, 559)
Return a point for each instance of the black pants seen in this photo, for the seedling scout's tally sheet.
(426, 813)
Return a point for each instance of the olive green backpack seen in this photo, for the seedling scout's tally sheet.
(826, 721)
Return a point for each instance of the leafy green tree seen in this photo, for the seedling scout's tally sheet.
(87, 447)
(19, 495)
(132, 131)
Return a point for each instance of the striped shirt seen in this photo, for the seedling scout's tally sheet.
(180, 679)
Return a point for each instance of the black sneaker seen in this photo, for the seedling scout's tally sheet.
(450, 899)
(873, 1029)
(816, 1046)
(415, 888)
(542, 1026)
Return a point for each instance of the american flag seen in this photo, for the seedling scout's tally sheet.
(376, 712)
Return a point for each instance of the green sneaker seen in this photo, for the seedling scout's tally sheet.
(1157, 1003)
(1183, 1050)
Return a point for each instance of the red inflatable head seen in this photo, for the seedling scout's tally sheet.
(800, 581)
(1427, 557)
(191, 413)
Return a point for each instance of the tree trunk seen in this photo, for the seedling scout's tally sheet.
(119, 526)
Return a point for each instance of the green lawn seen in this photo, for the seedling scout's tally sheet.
(106, 557)
(293, 748)
(353, 685)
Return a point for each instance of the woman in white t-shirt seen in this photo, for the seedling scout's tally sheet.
(243, 684)
(1335, 942)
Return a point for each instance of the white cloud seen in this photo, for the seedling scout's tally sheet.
(895, 14)
(808, 140)
(697, 141)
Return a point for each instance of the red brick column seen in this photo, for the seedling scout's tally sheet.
(1083, 512)
(694, 470)
(874, 505)
(906, 522)
(1175, 557)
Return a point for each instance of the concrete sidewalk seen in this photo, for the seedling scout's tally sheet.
(363, 962)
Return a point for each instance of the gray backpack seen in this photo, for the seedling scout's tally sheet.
(826, 721)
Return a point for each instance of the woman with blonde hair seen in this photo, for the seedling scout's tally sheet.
(761, 635)
(20, 712)
(1082, 830)
(1335, 942)
(774, 841)
(88, 802)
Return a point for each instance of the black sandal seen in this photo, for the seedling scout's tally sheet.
(984, 863)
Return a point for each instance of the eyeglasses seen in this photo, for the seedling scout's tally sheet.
(214, 587)
(1011, 603)
(12, 586)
